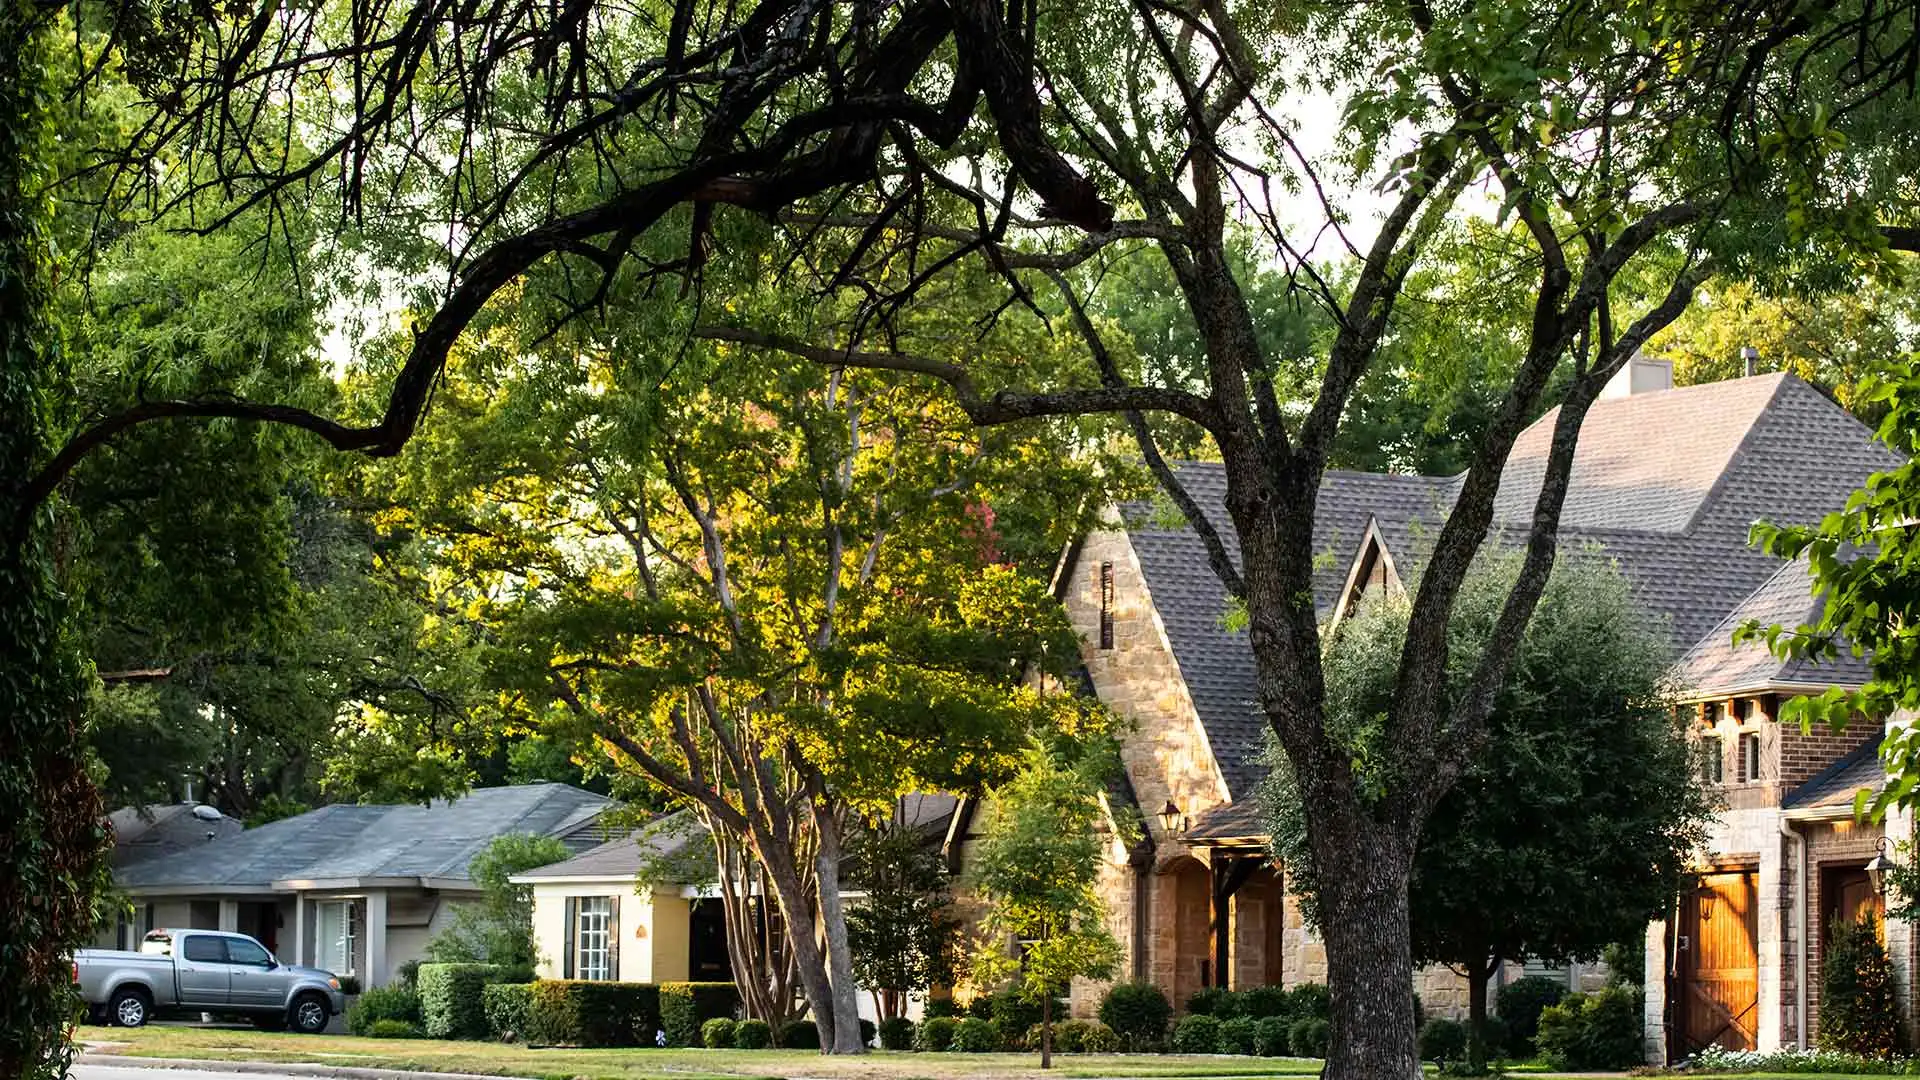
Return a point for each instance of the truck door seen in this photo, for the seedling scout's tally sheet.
(200, 963)
(254, 980)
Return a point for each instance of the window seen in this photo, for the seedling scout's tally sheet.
(1749, 746)
(336, 927)
(1713, 760)
(242, 951)
(201, 949)
(593, 938)
(1106, 605)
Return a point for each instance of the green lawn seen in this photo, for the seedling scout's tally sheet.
(493, 1059)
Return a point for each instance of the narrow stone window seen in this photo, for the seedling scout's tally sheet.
(1106, 605)
(1749, 756)
(1713, 760)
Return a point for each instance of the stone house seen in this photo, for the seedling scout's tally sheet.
(1666, 483)
(356, 890)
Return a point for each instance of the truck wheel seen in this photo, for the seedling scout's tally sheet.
(309, 1014)
(129, 1008)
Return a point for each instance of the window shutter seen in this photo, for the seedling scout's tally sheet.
(572, 931)
(613, 937)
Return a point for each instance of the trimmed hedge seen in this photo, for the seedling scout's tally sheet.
(941, 1007)
(1239, 1035)
(752, 1035)
(383, 1003)
(1138, 1012)
(1270, 1036)
(868, 1032)
(935, 1034)
(976, 1035)
(1215, 1001)
(686, 1006)
(1197, 1034)
(798, 1035)
(450, 999)
(388, 1028)
(569, 1012)
(896, 1033)
(1309, 1037)
(1593, 1031)
(508, 1007)
(718, 1033)
(1261, 1002)
(1443, 1040)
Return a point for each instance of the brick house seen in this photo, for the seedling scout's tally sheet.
(1666, 483)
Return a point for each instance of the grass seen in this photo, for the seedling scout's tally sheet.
(494, 1059)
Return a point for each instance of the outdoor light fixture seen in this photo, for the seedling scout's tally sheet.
(1878, 866)
(1173, 819)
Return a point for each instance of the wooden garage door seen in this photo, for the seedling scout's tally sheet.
(1719, 1001)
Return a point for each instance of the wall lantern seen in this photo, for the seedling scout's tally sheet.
(1173, 819)
(1878, 866)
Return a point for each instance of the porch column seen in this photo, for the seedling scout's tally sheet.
(300, 952)
(229, 916)
(376, 925)
(1229, 874)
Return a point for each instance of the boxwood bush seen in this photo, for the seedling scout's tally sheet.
(1520, 1004)
(508, 1006)
(976, 1035)
(1197, 1034)
(450, 999)
(1270, 1036)
(1215, 1001)
(935, 1034)
(1593, 1031)
(798, 1035)
(896, 1033)
(718, 1033)
(1238, 1035)
(568, 1012)
(1310, 1001)
(1443, 1040)
(1264, 1001)
(685, 1007)
(1309, 1037)
(752, 1035)
(388, 1028)
(383, 1003)
(1138, 1012)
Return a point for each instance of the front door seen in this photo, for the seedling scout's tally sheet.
(200, 963)
(708, 959)
(1719, 984)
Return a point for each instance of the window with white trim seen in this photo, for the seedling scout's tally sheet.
(592, 938)
(336, 926)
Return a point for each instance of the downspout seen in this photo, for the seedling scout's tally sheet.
(1800, 921)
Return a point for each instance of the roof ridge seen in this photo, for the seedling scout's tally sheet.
(1734, 460)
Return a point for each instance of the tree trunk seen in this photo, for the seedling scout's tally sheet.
(1046, 1032)
(1363, 901)
(1477, 978)
(833, 921)
(798, 915)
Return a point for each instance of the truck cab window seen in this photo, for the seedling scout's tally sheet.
(205, 950)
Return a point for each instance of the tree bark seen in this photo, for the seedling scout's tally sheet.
(833, 919)
(798, 915)
(1477, 977)
(1046, 1032)
(1369, 958)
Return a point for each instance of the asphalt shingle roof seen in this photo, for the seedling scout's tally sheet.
(1665, 483)
(346, 841)
(163, 830)
(623, 857)
(1716, 666)
(1834, 787)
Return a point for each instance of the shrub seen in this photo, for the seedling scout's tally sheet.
(896, 1033)
(1099, 1039)
(1520, 1003)
(1714, 1060)
(1263, 1001)
(1215, 1001)
(1858, 1011)
(1016, 1015)
(408, 974)
(1137, 1012)
(717, 1033)
(389, 1028)
(1239, 1035)
(1496, 1038)
(981, 1006)
(574, 1013)
(349, 985)
(798, 1035)
(1310, 1001)
(685, 1007)
(752, 1035)
(975, 1035)
(1592, 1031)
(1270, 1036)
(1309, 1037)
(1626, 963)
(450, 1001)
(383, 1003)
(935, 1034)
(941, 1007)
(1443, 1041)
(508, 1007)
(1197, 1034)
(1081, 1037)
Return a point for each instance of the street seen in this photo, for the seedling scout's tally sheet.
(119, 1072)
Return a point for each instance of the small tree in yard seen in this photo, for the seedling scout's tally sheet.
(1035, 869)
(902, 935)
(1859, 1013)
(1573, 827)
(499, 929)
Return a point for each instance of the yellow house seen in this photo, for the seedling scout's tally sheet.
(606, 915)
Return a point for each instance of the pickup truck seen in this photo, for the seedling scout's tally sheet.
(205, 971)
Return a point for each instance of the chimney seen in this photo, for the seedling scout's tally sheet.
(1750, 360)
(1642, 374)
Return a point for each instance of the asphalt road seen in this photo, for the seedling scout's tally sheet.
(111, 1072)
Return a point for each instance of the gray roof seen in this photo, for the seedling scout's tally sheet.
(1665, 483)
(1715, 666)
(145, 832)
(344, 841)
(1834, 787)
(1239, 820)
(663, 838)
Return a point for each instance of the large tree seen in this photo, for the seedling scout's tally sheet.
(471, 146)
(1574, 824)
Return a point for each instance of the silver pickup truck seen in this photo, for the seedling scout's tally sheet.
(205, 971)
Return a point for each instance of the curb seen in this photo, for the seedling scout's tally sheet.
(335, 1072)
